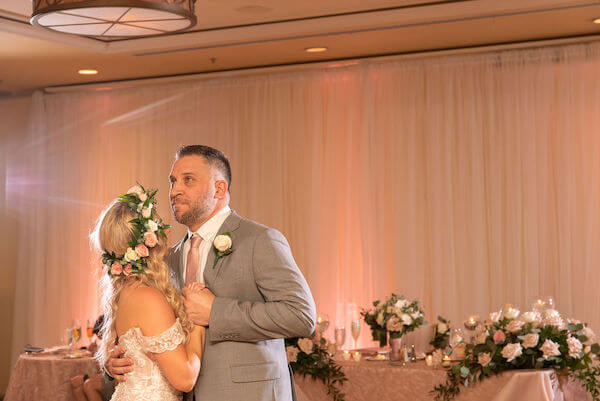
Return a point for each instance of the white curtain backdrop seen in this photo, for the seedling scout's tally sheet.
(465, 181)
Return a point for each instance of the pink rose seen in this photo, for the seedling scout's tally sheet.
(515, 326)
(142, 250)
(127, 270)
(146, 212)
(116, 269)
(150, 239)
(499, 337)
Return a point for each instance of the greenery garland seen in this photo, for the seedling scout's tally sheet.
(307, 357)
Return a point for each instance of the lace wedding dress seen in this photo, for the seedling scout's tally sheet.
(146, 382)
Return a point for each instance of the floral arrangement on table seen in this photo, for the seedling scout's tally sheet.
(441, 334)
(309, 356)
(396, 315)
(532, 340)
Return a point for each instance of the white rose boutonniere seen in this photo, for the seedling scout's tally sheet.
(222, 245)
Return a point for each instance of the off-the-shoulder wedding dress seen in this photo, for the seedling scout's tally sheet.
(146, 382)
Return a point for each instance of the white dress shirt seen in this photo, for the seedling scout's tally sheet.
(208, 231)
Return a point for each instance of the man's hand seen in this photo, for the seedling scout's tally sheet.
(117, 367)
(198, 303)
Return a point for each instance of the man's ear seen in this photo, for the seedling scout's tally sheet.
(220, 189)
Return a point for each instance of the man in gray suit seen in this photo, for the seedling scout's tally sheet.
(254, 294)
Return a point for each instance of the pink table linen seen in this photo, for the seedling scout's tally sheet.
(46, 377)
(380, 381)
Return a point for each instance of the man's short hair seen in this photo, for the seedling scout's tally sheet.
(213, 157)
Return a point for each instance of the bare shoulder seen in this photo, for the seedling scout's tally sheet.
(148, 309)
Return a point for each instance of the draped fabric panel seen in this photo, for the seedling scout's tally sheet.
(466, 181)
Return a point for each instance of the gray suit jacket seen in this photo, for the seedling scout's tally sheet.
(261, 299)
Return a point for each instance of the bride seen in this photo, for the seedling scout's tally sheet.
(142, 311)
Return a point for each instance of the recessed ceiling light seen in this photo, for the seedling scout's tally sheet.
(88, 72)
(596, 21)
(315, 49)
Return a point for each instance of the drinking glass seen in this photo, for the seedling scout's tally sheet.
(90, 329)
(322, 324)
(340, 336)
(76, 331)
(355, 330)
(543, 303)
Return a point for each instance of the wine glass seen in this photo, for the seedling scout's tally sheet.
(340, 336)
(90, 329)
(355, 330)
(76, 331)
(322, 324)
(68, 337)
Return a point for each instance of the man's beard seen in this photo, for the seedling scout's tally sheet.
(197, 212)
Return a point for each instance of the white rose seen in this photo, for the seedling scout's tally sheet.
(222, 242)
(550, 313)
(589, 333)
(401, 303)
(575, 347)
(511, 313)
(531, 340)
(442, 328)
(415, 315)
(515, 326)
(151, 225)
(292, 353)
(146, 212)
(131, 255)
(136, 189)
(549, 348)
(306, 345)
(482, 337)
(512, 351)
(532, 317)
(143, 196)
(379, 319)
(393, 324)
(406, 319)
(494, 317)
(484, 359)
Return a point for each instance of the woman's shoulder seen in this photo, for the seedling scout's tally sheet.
(147, 308)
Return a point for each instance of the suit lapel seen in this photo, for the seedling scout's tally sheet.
(211, 271)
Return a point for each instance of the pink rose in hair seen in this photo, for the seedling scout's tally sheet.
(150, 239)
(116, 269)
(499, 337)
(142, 250)
(127, 270)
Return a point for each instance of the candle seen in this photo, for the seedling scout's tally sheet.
(446, 361)
(346, 355)
(356, 356)
(319, 320)
(429, 360)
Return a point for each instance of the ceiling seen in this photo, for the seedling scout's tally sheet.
(239, 34)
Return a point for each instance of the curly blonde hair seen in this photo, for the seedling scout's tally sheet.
(112, 233)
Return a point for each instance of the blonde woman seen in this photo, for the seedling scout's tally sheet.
(143, 312)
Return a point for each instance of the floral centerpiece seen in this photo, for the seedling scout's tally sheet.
(532, 340)
(307, 356)
(396, 315)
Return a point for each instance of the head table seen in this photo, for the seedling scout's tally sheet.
(381, 381)
(46, 377)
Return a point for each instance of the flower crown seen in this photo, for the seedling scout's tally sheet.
(146, 232)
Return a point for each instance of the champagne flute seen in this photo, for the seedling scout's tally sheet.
(340, 336)
(90, 329)
(355, 330)
(68, 337)
(76, 331)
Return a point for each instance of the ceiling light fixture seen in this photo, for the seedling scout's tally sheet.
(114, 18)
(315, 49)
(88, 72)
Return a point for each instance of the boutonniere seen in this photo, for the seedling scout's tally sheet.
(222, 246)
